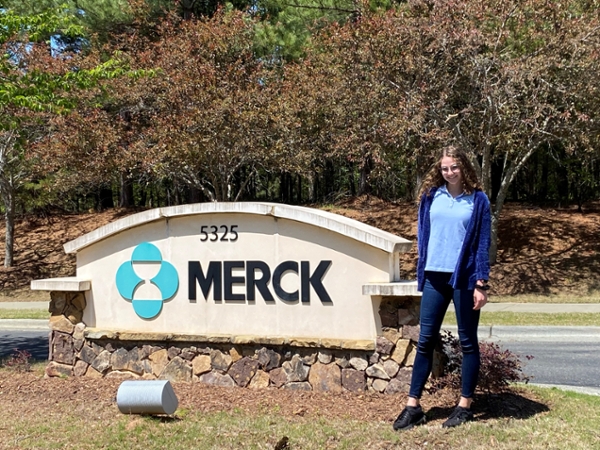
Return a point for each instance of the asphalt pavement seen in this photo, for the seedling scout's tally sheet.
(516, 336)
(496, 333)
(490, 307)
(490, 332)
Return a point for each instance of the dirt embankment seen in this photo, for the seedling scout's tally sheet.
(541, 250)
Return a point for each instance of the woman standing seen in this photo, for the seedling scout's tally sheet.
(453, 243)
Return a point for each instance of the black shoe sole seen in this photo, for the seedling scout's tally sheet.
(444, 425)
(422, 420)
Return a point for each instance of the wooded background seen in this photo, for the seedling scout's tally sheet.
(156, 103)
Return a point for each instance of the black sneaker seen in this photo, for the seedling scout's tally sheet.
(459, 416)
(409, 417)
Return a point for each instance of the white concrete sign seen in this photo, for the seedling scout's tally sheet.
(227, 269)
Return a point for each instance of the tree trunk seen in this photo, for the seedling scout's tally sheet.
(194, 195)
(9, 220)
(328, 178)
(509, 176)
(244, 185)
(421, 167)
(364, 187)
(497, 209)
(126, 193)
(105, 200)
(351, 181)
(312, 188)
(543, 194)
(494, 237)
(187, 8)
(486, 171)
(8, 194)
(283, 188)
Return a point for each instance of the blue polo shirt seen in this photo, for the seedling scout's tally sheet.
(448, 218)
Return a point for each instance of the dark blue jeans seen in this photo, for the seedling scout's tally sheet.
(437, 294)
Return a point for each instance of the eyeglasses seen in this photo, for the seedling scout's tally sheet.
(453, 168)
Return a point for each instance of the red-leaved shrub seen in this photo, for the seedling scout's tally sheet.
(499, 367)
(18, 361)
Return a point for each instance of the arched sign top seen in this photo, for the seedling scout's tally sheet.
(333, 222)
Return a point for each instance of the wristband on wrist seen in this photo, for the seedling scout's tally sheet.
(484, 287)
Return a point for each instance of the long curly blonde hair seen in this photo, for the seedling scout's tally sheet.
(434, 177)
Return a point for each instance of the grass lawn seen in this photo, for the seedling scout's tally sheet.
(591, 297)
(24, 314)
(487, 318)
(555, 420)
(533, 319)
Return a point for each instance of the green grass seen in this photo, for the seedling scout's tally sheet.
(487, 318)
(590, 297)
(558, 420)
(533, 319)
(24, 314)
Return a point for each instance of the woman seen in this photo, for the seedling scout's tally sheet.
(453, 243)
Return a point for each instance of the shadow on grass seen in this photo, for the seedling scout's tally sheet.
(495, 406)
(160, 418)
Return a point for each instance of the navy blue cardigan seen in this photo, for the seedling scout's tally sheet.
(473, 261)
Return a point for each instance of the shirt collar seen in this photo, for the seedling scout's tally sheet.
(444, 189)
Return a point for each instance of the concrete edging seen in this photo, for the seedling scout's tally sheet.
(534, 333)
(24, 324)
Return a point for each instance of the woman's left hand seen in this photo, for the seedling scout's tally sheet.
(479, 298)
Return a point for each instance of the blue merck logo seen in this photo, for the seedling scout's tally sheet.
(166, 280)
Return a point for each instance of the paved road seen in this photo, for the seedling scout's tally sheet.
(24, 334)
(564, 363)
(490, 307)
(33, 341)
(566, 357)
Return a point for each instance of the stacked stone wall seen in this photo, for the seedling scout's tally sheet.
(287, 364)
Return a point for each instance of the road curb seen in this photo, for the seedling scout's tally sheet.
(545, 308)
(25, 305)
(534, 333)
(564, 387)
(485, 332)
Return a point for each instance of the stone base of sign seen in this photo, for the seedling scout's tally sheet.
(246, 361)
